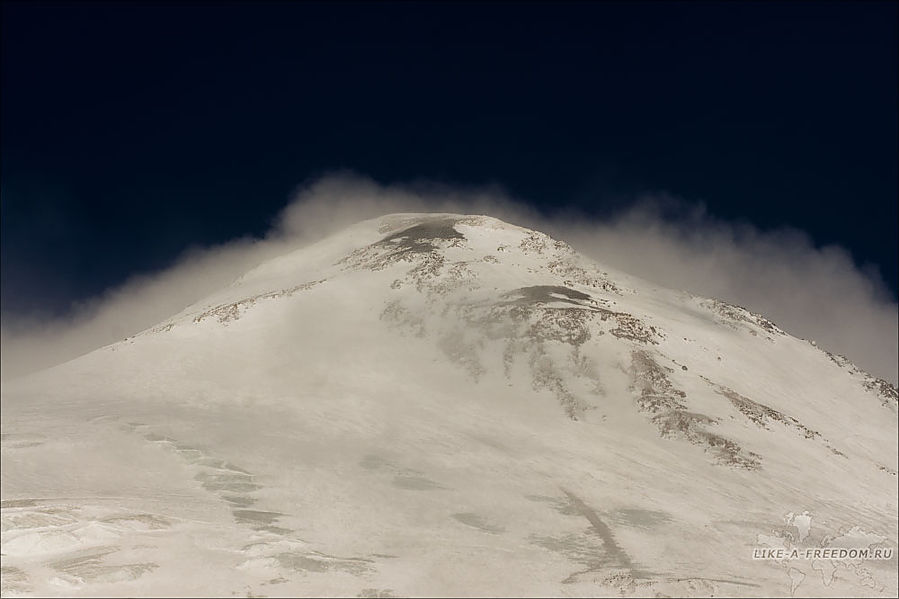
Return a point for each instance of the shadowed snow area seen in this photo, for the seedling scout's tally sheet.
(443, 404)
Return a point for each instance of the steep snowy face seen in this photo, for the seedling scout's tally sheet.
(449, 404)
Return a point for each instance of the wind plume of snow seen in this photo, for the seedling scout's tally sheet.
(818, 293)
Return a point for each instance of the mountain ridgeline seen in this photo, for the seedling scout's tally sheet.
(423, 395)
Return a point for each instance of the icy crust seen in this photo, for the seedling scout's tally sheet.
(883, 390)
(225, 313)
(738, 316)
(665, 404)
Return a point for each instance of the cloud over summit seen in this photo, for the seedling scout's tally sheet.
(818, 293)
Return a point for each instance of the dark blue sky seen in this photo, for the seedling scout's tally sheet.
(132, 131)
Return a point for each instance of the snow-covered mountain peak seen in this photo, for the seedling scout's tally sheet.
(424, 395)
(479, 246)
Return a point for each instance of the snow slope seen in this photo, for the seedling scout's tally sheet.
(443, 405)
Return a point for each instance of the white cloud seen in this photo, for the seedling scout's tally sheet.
(814, 292)
(817, 293)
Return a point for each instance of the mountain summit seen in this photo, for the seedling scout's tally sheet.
(440, 404)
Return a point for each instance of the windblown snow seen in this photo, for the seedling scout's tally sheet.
(449, 405)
